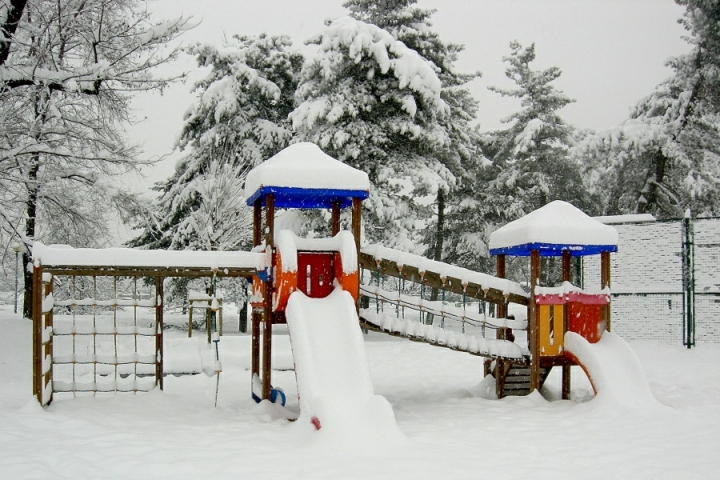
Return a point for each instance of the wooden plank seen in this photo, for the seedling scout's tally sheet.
(147, 271)
(433, 279)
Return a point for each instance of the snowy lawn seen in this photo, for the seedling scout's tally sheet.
(452, 429)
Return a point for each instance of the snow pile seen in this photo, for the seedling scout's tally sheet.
(613, 368)
(288, 245)
(304, 165)
(63, 255)
(443, 269)
(334, 385)
(557, 223)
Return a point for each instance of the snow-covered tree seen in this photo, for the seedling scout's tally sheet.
(238, 120)
(460, 155)
(372, 102)
(67, 74)
(531, 156)
(666, 157)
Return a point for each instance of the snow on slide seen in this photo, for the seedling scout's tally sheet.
(614, 369)
(334, 385)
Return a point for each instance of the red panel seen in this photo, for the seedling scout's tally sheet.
(316, 273)
(586, 320)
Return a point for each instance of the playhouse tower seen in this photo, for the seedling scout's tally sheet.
(300, 176)
(557, 230)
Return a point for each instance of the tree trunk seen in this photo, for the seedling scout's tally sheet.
(30, 224)
(31, 206)
(12, 20)
(438, 247)
(648, 201)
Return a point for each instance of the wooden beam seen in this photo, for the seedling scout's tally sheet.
(566, 271)
(335, 223)
(37, 294)
(47, 349)
(147, 271)
(500, 273)
(605, 282)
(159, 320)
(257, 223)
(533, 322)
(267, 324)
(356, 225)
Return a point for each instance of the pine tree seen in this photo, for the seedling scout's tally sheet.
(531, 157)
(370, 101)
(239, 120)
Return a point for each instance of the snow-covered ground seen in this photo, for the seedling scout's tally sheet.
(453, 428)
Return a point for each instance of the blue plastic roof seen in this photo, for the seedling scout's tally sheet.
(553, 250)
(294, 197)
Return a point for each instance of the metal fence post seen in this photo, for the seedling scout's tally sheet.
(688, 278)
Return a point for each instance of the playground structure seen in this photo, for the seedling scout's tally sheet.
(317, 287)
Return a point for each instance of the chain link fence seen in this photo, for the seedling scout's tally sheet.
(665, 279)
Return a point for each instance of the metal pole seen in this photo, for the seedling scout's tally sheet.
(688, 283)
(16, 248)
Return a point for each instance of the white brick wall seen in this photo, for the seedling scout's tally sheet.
(646, 280)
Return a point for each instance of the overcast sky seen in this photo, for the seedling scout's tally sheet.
(611, 52)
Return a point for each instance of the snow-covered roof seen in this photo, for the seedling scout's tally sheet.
(303, 176)
(629, 218)
(65, 256)
(552, 229)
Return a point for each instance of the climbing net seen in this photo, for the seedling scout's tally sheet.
(104, 331)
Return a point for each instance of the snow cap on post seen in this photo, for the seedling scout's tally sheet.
(303, 176)
(552, 229)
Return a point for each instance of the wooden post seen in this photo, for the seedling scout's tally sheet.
(533, 322)
(566, 268)
(47, 347)
(190, 309)
(37, 294)
(335, 217)
(159, 301)
(267, 324)
(256, 316)
(500, 269)
(500, 332)
(356, 212)
(605, 282)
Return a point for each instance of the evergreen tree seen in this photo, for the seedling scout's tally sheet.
(239, 120)
(531, 157)
(522, 168)
(370, 101)
(460, 155)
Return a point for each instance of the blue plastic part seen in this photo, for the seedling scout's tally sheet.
(263, 275)
(553, 250)
(293, 197)
(274, 394)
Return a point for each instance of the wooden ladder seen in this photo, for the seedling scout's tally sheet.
(514, 378)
